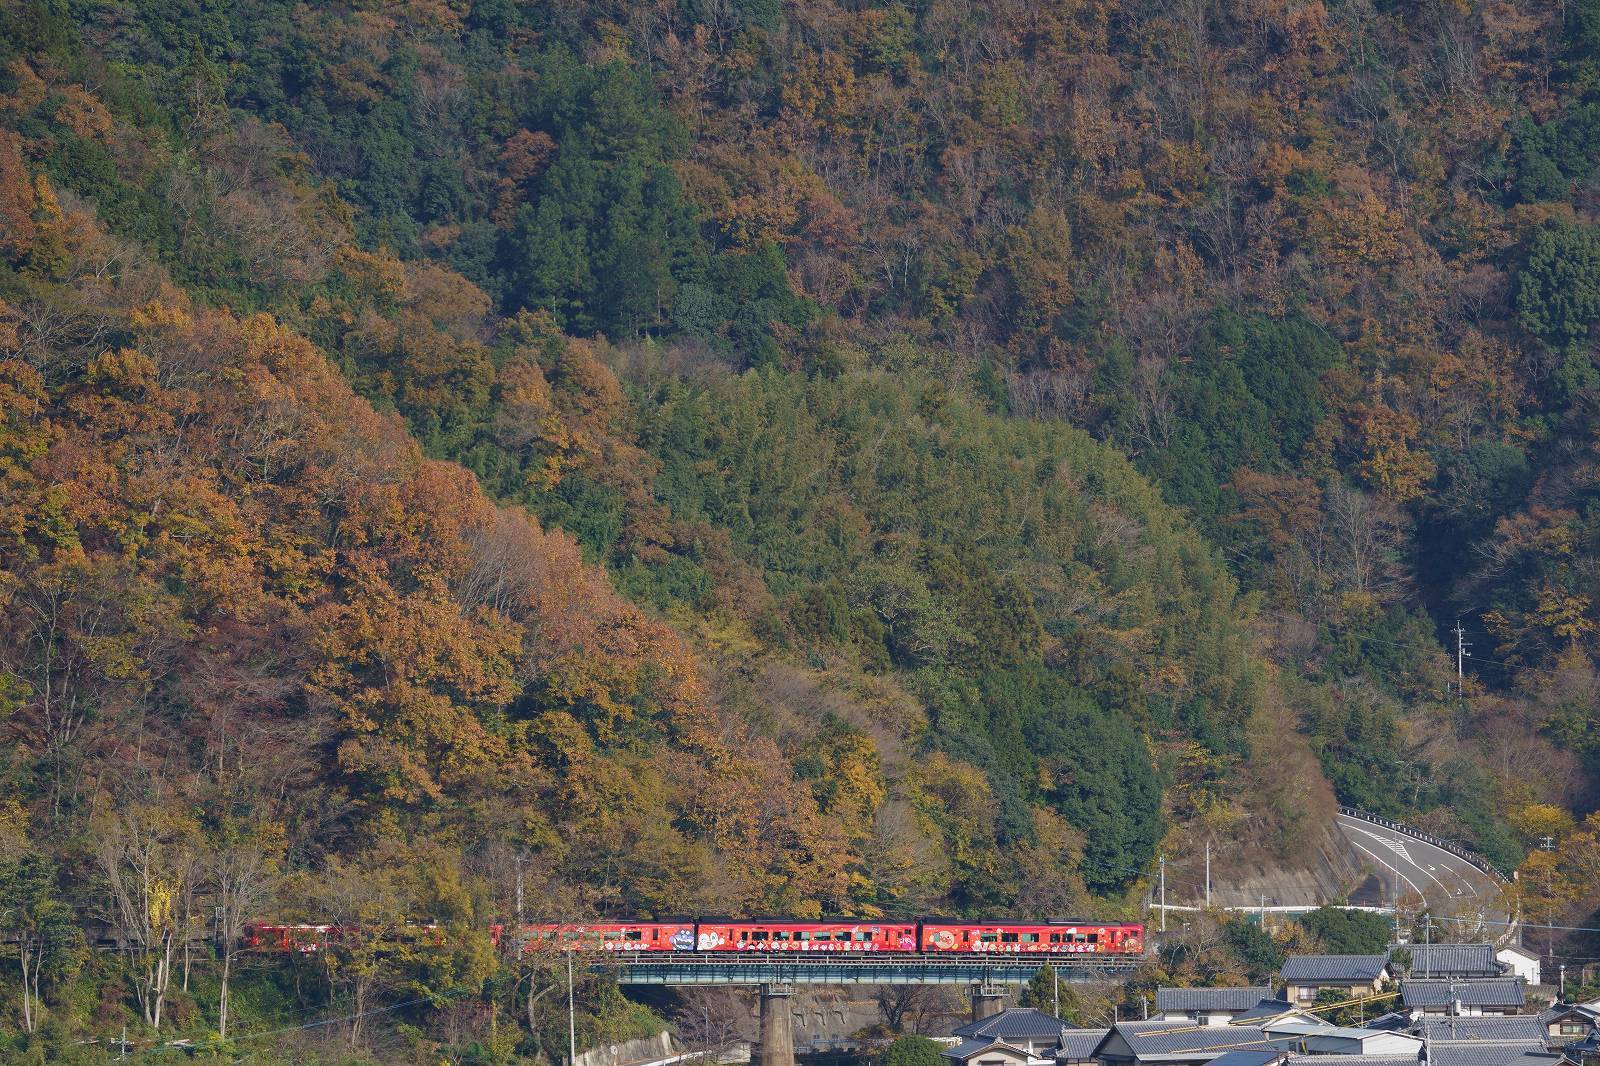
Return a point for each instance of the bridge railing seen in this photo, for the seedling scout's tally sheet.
(1439, 842)
(747, 967)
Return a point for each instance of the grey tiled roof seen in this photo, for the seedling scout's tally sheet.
(1267, 1008)
(1392, 1022)
(1500, 1030)
(1521, 1053)
(1016, 1023)
(1351, 1060)
(1218, 999)
(1492, 993)
(1078, 1044)
(1333, 968)
(968, 1048)
(1577, 1010)
(1447, 960)
(1248, 1058)
(1166, 1038)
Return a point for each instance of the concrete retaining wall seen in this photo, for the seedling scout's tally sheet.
(645, 1049)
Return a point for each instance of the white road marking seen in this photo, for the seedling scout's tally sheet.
(1452, 863)
(1420, 894)
(1400, 850)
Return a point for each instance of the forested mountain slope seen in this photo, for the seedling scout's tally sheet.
(673, 449)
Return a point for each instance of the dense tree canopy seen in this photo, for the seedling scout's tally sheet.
(774, 455)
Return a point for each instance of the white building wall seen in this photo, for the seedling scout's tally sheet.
(1522, 964)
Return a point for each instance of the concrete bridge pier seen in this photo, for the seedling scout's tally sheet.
(987, 1001)
(777, 1026)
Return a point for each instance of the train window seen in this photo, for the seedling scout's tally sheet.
(780, 934)
(634, 934)
(824, 937)
(1055, 938)
(1093, 938)
(802, 935)
(986, 938)
(759, 934)
(1030, 938)
(1008, 938)
(862, 938)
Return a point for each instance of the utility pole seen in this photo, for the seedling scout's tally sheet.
(572, 1018)
(1462, 655)
(1163, 893)
(519, 893)
(1208, 875)
(1427, 942)
(1561, 997)
(1056, 974)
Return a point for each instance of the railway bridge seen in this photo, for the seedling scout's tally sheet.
(776, 974)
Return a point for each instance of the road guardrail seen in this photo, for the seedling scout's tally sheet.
(1451, 846)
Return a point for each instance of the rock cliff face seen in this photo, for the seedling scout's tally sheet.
(1282, 842)
(1330, 872)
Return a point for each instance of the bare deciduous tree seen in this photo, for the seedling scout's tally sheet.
(147, 856)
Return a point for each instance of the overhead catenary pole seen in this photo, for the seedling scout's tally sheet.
(1208, 875)
(572, 1022)
(1163, 893)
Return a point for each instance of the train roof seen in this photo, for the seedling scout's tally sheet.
(840, 920)
(1032, 921)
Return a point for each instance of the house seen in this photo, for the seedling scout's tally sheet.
(987, 1052)
(1487, 1054)
(1517, 1028)
(1567, 1023)
(1279, 1010)
(1033, 1031)
(1395, 1021)
(1583, 1052)
(1076, 1046)
(1177, 1043)
(1469, 999)
(1344, 1040)
(1463, 961)
(1250, 1058)
(1350, 975)
(1349, 1060)
(1520, 963)
(1208, 1006)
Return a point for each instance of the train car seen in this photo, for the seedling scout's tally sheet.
(674, 935)
(308, 939)
(788, 934)
(304, 939)
(1023, 937)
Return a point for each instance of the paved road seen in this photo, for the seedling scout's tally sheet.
(1406, 868)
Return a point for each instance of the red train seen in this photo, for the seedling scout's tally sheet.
(308, 939)
(927, 935)
(935, 936)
